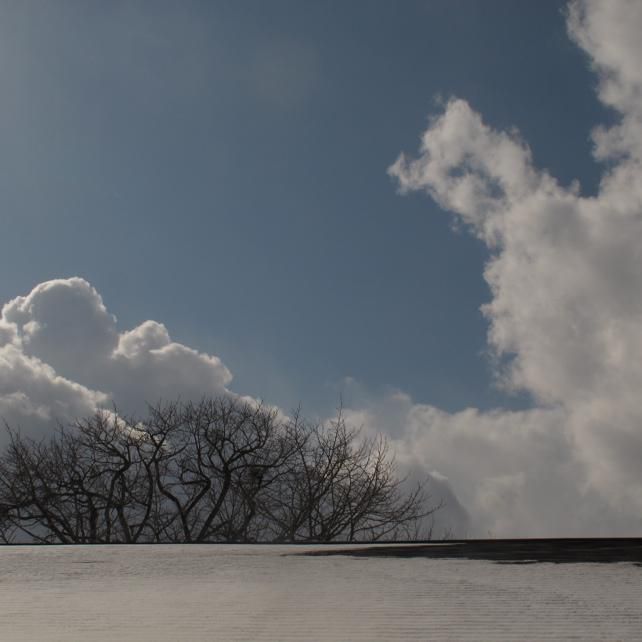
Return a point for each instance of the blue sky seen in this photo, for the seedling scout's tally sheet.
(404, 203)
(221, 167)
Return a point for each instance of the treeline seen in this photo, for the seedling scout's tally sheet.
(216, 471)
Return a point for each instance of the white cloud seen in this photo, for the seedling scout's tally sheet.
(33, 397)
(609, 33)
(163, 369)
(565, 315)
(61, 333)
(64, 323)
(515, 472)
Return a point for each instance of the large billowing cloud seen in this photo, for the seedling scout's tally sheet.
(61, 356)
(565, 317)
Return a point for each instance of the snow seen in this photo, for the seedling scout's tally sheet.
(230, 593)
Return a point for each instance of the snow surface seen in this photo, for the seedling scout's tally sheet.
(259, 593)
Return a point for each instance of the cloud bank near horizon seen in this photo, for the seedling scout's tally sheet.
(565, 315)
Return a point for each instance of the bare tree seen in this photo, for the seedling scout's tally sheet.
(89, 483)
(342, 485)
(215, 457)
(114, 466)
(218, 470)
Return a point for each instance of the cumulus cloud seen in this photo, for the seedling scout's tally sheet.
(33, 397)
(565, 315)
(62, 356)
(609, 33)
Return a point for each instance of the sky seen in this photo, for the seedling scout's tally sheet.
(429, 209)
